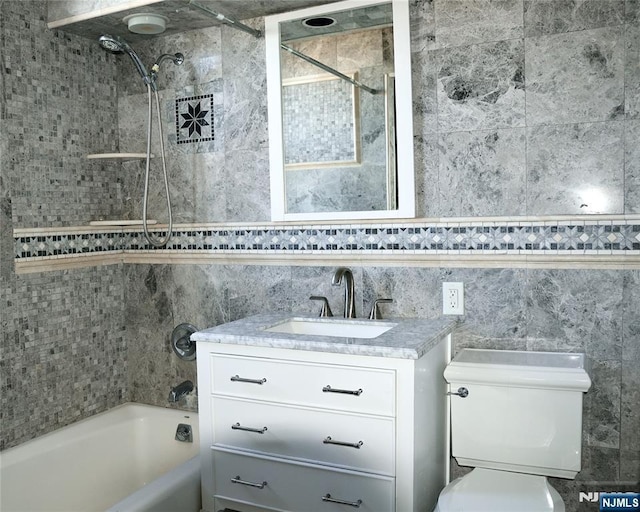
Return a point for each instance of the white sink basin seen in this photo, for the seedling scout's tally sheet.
(326, 327)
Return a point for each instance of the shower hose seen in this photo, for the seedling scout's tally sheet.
(155, 241)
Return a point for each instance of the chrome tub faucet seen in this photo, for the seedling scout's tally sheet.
(181, 390)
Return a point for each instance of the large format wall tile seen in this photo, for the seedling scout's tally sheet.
(245, 89)
(582, 309)
(575, 77)
(495, 308)
(159, 298)
(413, 291)
(422, 16)
(630, 422)
(601, 414)
(426, 174)
(482, 172)
(424, 82)
(632, 69)
(247, 182)
(543, 17)
(575, 168)
(632, 166)
(481, 86)
(630, 318)
(465, 22)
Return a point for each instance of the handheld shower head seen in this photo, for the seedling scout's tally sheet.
(110, 44)
(115, 44)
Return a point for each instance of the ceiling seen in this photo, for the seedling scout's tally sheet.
(362, 18)
(182, 16)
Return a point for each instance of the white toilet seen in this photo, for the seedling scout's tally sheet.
(520, 421)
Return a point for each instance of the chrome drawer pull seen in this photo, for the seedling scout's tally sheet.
(238, 480)
(237, 426)
(329, 389)
(327, 497)
(237, 378)
(357, 445)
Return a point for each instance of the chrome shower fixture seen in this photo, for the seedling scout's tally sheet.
(176, 58)
(115, 44)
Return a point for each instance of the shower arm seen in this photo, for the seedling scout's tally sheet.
(226, 20)
(329, 69)
(176, 58)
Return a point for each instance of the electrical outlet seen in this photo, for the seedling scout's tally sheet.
(453, 298)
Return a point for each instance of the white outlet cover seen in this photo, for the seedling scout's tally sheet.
(455, 306)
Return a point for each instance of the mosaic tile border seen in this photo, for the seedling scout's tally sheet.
(573, 238)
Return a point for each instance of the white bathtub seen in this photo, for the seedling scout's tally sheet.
(124, 460)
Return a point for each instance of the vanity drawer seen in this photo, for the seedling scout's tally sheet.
(296, 486)
(329, 386)
(352, 441)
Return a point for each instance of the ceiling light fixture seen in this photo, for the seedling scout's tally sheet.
(319, 22)
(146, 23)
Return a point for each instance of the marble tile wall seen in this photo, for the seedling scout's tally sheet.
(62, 347)
(517, 103)
(521, 107)
(524, 107)
(591, 311)
(533, 114)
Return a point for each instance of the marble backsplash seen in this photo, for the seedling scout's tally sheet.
(591, 311)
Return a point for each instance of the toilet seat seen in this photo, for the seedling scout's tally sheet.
(490, 490)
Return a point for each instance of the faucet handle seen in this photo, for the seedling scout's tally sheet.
(375, 310)
(326, 310)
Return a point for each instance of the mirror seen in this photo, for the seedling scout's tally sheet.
(340, 112)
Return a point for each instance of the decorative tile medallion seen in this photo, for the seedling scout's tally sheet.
(194, 119)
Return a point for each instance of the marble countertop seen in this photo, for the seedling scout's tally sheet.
(409, 338)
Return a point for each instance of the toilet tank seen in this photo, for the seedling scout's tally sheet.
(523, 411)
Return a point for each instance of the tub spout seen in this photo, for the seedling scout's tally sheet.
(180, 390)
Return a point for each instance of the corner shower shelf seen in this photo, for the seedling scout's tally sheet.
(117, 156)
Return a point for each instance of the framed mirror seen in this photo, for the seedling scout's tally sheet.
(340, 112)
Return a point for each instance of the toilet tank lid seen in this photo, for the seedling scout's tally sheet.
(548, 370)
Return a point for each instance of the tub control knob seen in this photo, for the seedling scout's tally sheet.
(462, 393)
(181, 343)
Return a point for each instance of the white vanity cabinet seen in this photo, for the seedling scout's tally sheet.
(305, 431)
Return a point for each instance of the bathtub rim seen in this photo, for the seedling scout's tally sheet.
(41, 444)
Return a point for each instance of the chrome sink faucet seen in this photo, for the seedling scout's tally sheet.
(344, 274)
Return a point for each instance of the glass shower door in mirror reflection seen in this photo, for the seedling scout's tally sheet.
(336, 153)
